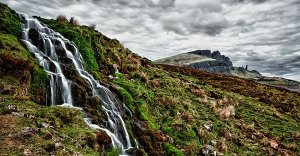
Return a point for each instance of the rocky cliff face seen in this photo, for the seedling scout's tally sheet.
(209, 61)
(220, 64)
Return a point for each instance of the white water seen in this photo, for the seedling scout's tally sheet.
(61, 91)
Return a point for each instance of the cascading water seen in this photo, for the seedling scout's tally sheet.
(49, 59)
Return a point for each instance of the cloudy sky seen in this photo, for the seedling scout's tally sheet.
(264, 34)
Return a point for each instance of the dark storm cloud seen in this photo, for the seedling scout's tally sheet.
(263, 34)
(252, 1)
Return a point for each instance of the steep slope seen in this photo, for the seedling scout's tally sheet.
(281, 83)
(178, 105)
(175, 110)
(26, 127)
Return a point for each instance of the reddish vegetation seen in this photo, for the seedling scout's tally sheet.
(8, 122)
(282, 99)
(9, 63)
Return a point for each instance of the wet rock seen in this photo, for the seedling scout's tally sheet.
(95, 110)
(94, 101)
(208, 150)
(36, 39)
(70, 47)
(65, 61)
(103, 138)
(98, 140)
(81, 95)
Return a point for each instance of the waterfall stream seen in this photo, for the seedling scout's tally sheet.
(61, 87)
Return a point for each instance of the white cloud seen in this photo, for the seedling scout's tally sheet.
(261, 33)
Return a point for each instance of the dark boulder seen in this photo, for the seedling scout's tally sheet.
(93, 107)
(36, 39)
(81, 94)
(216, 55)
(71, 47)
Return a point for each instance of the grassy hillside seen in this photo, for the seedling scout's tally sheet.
(28, 128)
(176, 111)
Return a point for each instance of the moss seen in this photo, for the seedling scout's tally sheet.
(171, 150)
(82, 37)
(61, 116)
(64, 126)
(9, 21)
(133, 89)
(126, 97)
(11, 47)
(112, 152)
(19, 64)
(39, 84)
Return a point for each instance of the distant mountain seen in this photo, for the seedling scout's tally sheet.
(216, 63)
(281, 83)
(211, 62)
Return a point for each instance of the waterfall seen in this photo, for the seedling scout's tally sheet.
(44, 47)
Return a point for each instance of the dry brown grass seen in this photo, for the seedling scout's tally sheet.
(221, 146)
(143, 76)
(186, 116)
(168, 101)
(93, 26)
(61, 18)
(198, 92)
(74, 22)
(282, 99)
(155, 83)
(224, 107)
(225, 112)
(203, 134)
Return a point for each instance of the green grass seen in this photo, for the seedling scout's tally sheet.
(9, 21)
(137, 97)
(171, 150)
(68, 128)
(19, 64)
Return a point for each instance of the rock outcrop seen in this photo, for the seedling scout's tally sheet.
(220, 64)
(209, 61)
